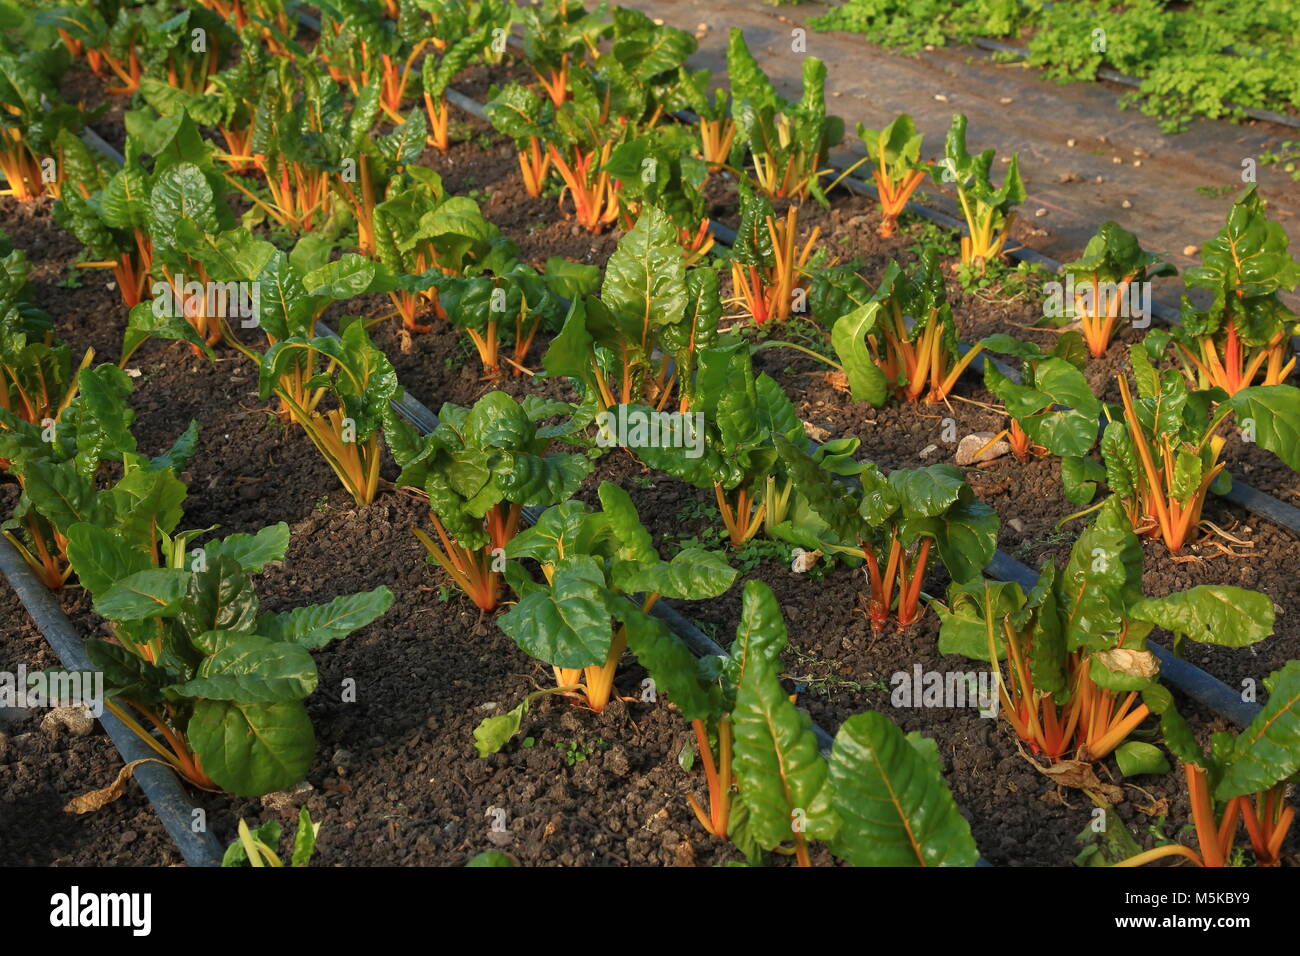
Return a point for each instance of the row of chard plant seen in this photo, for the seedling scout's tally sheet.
(288, 160)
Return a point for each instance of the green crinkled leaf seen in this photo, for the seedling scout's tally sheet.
(867, 382)
(693, 574)
(493, 733)
(101, 558)
(253, 552)
(567, 624)
(251, 749)
(1211, 614)
(1136, 758)
(781, 774)
(761, 633)
(157, 592)
(249, 668)
(893, 804)
(1274, 411)
(645, 279)
(1079, 479)
(1268, 751)
(671, 665)
(219, 598)
(316, 625)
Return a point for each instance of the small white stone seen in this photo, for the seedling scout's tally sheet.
(76, 719)
(971, 444)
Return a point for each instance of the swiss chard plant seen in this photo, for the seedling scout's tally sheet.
(558, 35)
(735, 456)
(902, 341)
(601, 576)
(363, 168)
(507, 307)
(1242, 781)
(584, 131)
(897, 167)
(787, 142)
(290, 109)
(32, 117)
(769, 267)
(463, 32)
(479, 469)
(1052, 408)
(361, 382)
(988, 210)
(63, 465)
(1162, 451)
(260, 847)
(195, 661)
(608, 342)
(523, 114)
(37, 377)
(877, 799)
(185, 46)
(657, 169)
(892, 523)
(1106, 281)
(717, 129)
(423, 232)
(1076, 660)
(1244, 337)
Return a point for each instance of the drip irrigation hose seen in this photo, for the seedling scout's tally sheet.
(160, 784)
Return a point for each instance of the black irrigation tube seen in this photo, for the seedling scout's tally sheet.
(160, 784)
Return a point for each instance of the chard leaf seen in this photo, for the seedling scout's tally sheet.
(890, 796)
(761, 633)
(1211, 614)
(60, 494)
(219, 598)
(867, 382)
(1136, 758)
(781, 773)
(100, 557)
(568, 623)
(250, 749)
(645, 279)
(1274, 412)
(157, 592)
(253, 552)
(692, 575)
(317, 624)
(249, 668)
(1268, 751)
(671, 665)
(493, 733)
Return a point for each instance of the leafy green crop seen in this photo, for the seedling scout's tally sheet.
(1075, 646)
(480, 468)
(892, 523)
